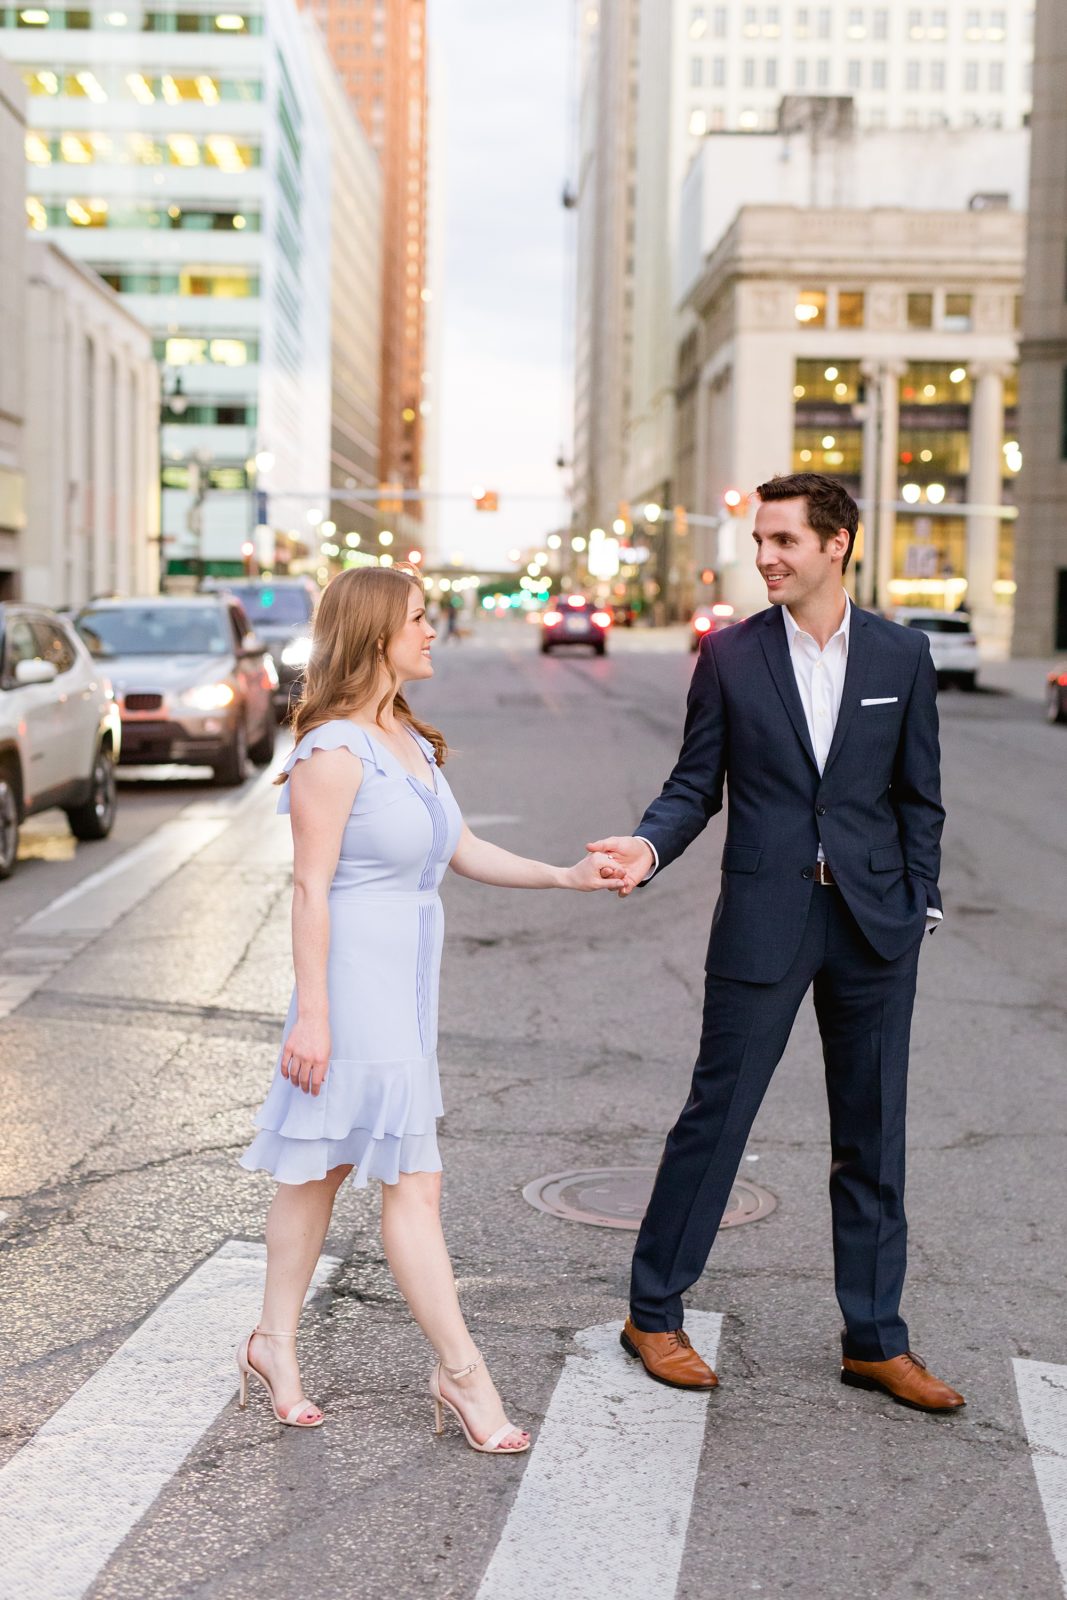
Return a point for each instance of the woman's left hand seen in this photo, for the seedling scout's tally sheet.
(597, 871)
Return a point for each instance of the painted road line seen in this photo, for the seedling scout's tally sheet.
(1043, 1400)
(614, 1449)
(72, 1494)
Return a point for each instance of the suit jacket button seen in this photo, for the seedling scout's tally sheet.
(808, 872)
(820, 811)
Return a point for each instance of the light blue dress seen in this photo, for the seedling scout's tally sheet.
(379, 1103)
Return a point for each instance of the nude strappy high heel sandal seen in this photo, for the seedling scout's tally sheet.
(247, 1370)
(493, 1446)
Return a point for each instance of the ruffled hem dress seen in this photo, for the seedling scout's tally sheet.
(381, 1097)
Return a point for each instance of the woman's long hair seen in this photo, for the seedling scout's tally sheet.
(360, 613)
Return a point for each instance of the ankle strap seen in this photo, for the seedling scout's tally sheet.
(464, 1372)
(270, 1333)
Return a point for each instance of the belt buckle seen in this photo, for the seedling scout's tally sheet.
(821, 875)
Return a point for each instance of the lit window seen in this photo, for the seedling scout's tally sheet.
(915, 25)
(957, 318)
(698, 23)
(920, 310)
(37, 150)
(810, 308)
(140, 88)
(856, 26)
(34, 19)
(36, 215)
(750, 27)
(802, 22)
(87, 213)
(229, 352)
(229, 22)
(185, 352)
(938, 25)
(698, 124)
(75, 149)
(850, 304)
(184, 149)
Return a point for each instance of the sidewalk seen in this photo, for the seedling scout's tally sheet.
(1026, 676)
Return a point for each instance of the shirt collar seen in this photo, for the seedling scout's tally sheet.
(791, 628)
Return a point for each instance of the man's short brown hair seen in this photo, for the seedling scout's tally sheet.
(830, 507)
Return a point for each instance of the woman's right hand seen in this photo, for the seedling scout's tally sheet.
(306, 1054)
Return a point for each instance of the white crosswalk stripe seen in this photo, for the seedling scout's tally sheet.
(72, 1494)
(1042, 1389)
(614, 1448)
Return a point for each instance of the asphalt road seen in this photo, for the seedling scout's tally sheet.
(130, 1073)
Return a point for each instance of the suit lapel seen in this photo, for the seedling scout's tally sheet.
(859, 652)
(776, 649)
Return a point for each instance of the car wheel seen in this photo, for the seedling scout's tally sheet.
(232, 765)
(262, 752)
(9, 824)
(546, 649)
(600, 648)
(95, 817)
(968, 681)
(1056, 710)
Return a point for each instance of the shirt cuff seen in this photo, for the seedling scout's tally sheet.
(655, 857)
(933, 918)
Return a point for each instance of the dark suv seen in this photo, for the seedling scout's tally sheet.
(281, 610)
(574, 620)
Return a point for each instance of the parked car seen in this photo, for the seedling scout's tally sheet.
(710, 619)
(952, 644)
(194, 683)
(281, 610)
(59, 729)
(575, 620)
(1057, 696)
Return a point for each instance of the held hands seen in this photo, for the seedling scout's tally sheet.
(595, 871)
(632, 858)
(306, 1055)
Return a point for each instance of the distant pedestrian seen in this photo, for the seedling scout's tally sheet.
(452, 610)
(356, 1086)
(820, 720)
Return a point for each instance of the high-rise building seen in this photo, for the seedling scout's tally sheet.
(379, 50)
(1041, 549)
(12, 309)
(692, 69)
(183, 154)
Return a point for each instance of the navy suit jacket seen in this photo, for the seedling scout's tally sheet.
(876, 809)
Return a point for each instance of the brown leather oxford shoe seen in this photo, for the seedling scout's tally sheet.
(668, 1357)
(905, 1380)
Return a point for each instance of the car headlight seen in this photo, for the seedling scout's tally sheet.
(297, 652)
(208, 697)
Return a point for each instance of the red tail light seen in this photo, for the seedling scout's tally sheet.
(552, 618)
(602, 619)
(702, 624)
(1062, 680)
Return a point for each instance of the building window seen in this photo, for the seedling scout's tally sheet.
(800, 75)
(770, 73)
(972, 24)
(920, 310)
(854, 77)
(719, 22)
(881, 23)
(996, 77)
(748, 72)
(998, 25)
(912, 74)
(750, 26)
(698, 124)
(822, 73)
(937, 75)
(970, 76)
(850, 305)
(696, 72)
(718, 71)
(825, 23)
(938, 25)
(810, 308)
(878, 74)
(802, 23)
(772, 26)
(915, 25)
(957, 318)
(698, 23)
(856, 26)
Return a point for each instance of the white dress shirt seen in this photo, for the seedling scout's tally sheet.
(820, 679)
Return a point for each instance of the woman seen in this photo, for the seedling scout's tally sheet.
(374, 827)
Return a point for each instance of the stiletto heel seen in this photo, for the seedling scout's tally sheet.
(292, 1417)
(494, 1445)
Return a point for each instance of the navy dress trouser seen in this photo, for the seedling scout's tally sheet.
(864, 1006)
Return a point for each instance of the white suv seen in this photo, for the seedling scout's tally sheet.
(952, 644)
(59, 729)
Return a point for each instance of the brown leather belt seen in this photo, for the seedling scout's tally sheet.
(823, 873)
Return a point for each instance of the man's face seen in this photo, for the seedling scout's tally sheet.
(790, 558)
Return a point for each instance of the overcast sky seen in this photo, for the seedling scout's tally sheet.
(501, 75)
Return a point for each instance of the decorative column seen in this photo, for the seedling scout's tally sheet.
(990, 621)
(888, 474)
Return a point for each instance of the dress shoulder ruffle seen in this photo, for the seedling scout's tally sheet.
(340, 734)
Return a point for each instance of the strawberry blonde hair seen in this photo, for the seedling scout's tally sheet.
(359, 615)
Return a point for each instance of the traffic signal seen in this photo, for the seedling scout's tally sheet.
(707, 576)
(390, 499)
(681, 521)
(486, 500)
(735, 502)
(248, 557)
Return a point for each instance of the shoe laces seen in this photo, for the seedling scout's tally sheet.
(916, 1361)
(680, 1339)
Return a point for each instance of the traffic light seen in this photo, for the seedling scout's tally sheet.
(248, 557)
(707, 576)
(681, 521)
(390, 499)
(735, 502)
(486, 500)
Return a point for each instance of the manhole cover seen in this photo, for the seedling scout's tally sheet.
(616, 1197)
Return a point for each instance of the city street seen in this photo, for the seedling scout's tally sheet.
(143, 981)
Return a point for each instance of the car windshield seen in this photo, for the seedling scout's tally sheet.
(941, 624)
(283, 605)
(149, 630)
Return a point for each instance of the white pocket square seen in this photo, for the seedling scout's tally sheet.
(887, 700)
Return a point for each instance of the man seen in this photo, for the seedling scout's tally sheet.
(821, 721)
